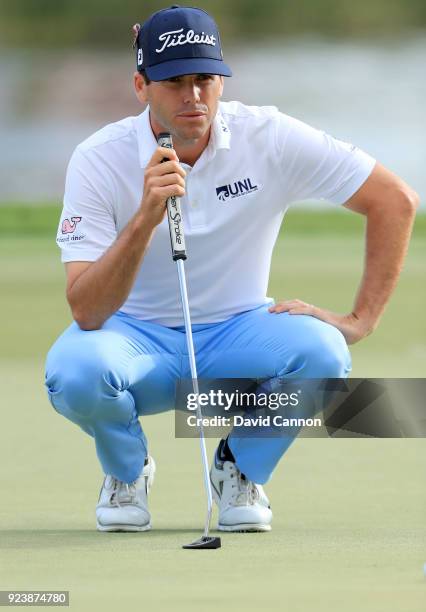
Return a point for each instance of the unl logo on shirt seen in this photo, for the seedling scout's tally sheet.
(235, 190)
(69, 226)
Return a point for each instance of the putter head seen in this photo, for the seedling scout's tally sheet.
(204, 542)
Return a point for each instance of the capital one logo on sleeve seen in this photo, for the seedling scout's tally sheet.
(235, 190)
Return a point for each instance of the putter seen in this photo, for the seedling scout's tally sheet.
(177, 240)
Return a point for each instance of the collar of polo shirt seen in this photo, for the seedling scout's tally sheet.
(220, 136)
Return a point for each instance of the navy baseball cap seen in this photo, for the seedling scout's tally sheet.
(177, 41)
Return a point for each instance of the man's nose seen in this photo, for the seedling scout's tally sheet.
(192, 93)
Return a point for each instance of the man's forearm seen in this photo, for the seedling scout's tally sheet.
(104, 286)
(387, 237)
(389, 205)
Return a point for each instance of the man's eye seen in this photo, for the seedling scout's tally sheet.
(174, 80)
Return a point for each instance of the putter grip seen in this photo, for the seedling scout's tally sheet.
(174, 214)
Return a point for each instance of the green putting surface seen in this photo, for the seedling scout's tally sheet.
(349, 515)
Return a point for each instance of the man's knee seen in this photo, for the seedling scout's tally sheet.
(323, 352)
(80, 378)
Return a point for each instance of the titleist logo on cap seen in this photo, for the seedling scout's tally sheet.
(177, 38)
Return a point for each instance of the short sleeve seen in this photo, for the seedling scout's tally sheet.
(87, 226)
(316, 166)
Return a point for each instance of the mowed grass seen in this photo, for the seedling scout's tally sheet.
(349, 527)
(318, 258)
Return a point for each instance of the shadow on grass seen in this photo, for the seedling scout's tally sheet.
(16, 539)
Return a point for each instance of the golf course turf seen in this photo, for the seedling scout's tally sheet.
(349, 527)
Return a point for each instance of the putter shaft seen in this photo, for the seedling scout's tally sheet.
(193, 366)
(177, 239)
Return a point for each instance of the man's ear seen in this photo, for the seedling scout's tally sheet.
(140, 88)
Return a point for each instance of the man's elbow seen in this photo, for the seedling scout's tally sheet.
(83, 319)
(408, 200)
(86, 324)
(401, 202)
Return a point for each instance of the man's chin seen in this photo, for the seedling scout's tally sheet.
(191, 135)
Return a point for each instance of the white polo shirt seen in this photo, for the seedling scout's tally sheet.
(257, 163)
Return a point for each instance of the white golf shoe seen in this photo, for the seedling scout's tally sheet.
(124, 506)
(243, 505)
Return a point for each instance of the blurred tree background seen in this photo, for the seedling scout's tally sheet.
(106, 23)
(350, 67)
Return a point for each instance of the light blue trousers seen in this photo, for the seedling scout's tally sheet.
(103, 380)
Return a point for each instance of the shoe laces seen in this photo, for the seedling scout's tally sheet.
(116, 486)
(246, 491)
